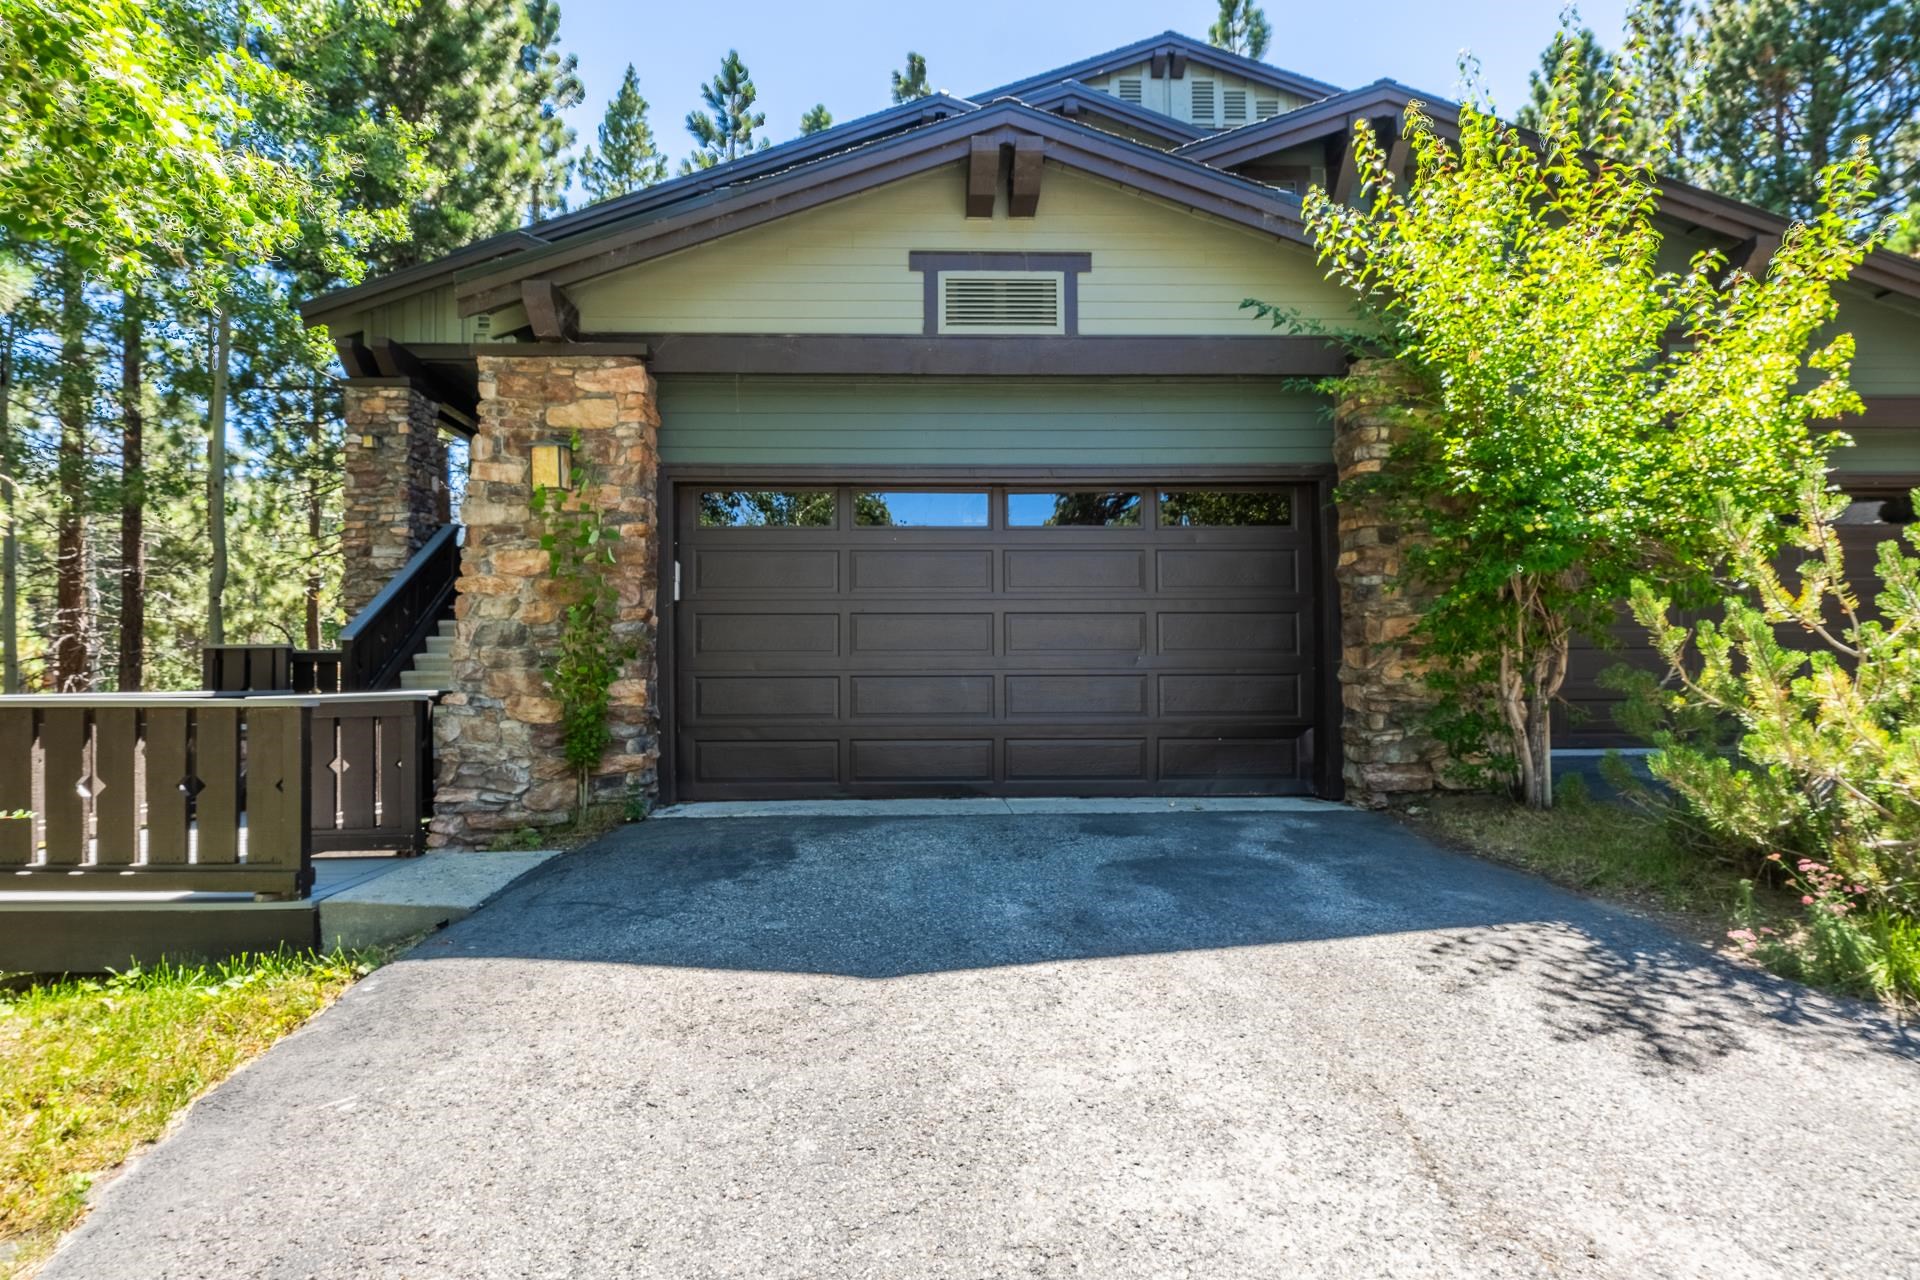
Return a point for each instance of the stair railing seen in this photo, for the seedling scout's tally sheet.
(377, 645)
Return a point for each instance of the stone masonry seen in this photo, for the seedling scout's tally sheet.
(1389, 754)
(395, 495)
(497, 734)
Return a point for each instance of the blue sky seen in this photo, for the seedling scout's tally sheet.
(840, 53)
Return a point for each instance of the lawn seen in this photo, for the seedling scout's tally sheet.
(93, 1069)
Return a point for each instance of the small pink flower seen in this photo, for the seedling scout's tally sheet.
(1773, 857)
(1806, 900)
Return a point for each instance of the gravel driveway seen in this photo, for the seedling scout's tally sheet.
(1206, 1045)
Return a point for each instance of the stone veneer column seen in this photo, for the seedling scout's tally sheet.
(497, 735)
(395, 481)
(1389, 754)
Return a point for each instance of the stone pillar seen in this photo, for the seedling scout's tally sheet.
(1389, 754)
(395, 473)
(497, 735)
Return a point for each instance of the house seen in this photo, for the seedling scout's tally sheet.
(946, 458)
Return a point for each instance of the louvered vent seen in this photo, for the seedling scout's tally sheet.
(1266, 108)
(1002, 302)
(1234, 101)
(1203, 101)
(1130, 90)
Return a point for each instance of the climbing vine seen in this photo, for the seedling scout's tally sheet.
(580, 549)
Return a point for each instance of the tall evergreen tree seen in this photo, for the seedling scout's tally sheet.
(724, 131)
(817, 120)
(913, 82)
(627, 158)
(549, 85)
(1241, 28)
(1590, 83)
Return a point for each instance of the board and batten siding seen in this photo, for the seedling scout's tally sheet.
(986, 423)
(842, 268)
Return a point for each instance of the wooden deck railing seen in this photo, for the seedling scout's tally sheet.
(268, 668)
(204, 792)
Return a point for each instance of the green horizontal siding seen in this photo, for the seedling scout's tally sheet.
(989, 422)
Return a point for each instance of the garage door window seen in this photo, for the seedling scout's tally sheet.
(907, 509)
(1078, 509)
(1217, 510)
(767, 509)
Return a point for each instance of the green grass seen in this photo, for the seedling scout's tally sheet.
(1603, 849)
(92, 1069)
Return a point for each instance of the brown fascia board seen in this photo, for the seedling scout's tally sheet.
(1062, 97)
(777, 195)
(1251, 141)
(414, 279)
(1143, 50)
(788, 154)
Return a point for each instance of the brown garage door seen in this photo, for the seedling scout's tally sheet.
(891, 640)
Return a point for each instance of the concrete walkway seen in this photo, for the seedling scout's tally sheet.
(1098, 1045)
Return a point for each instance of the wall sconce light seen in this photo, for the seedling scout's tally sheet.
(552, 464)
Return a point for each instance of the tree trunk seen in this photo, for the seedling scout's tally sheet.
(9, 540)
(71, 619)
(313, 520)
(1533, 667)
(133, 497)
(217, 479)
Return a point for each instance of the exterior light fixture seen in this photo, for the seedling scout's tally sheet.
(552, 464)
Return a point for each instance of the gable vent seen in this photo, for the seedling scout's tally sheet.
(1130, 89)
(1203, 101)
(1002, 302)
(1234, 104)
(1266, 108)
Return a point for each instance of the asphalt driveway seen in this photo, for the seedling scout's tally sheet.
(1206, 1045)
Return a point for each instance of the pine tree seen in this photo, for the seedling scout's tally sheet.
(817, 120)
(1241, 28)
(913, 83)
(549, 84)
(627, 159)
(725, 130)
(1592, 80)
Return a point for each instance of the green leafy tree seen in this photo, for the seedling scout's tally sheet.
(1592, 82)
(817, 119)
(725, 130)
(911, 83)
(627, 158)
(1241, 28)
(1566, 441)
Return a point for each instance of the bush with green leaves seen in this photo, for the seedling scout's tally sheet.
(1569, 441)
(580, 547)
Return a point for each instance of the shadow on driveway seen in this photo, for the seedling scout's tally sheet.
(880, 898)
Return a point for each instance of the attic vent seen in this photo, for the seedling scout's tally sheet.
(1266, 108)
(1235, 103)
(1130, 89)
(1203, 101)
(1002, 302)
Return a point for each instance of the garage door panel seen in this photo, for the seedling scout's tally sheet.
(1228, 568)
(1235, 634)
(922, 570)
(922, 760)
(1033, 660)
(1063, 569)
(791, 633)
(1070, 696)
(1076, 633)
(767, 697)
(923, 696)
(1073, 759)
(722, 761)
(1230, 694)
(922, 633)
(762, 567)
(1230, 758)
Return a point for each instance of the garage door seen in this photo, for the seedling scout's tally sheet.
(879, 640)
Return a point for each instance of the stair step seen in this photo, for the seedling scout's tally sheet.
(440, 644)
(446, 627)
(421, 680)
(437, 664)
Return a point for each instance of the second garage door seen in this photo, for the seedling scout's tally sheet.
(876, 640)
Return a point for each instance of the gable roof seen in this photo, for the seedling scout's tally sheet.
(737, 206)
(1073, 98)
(1129, 55)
